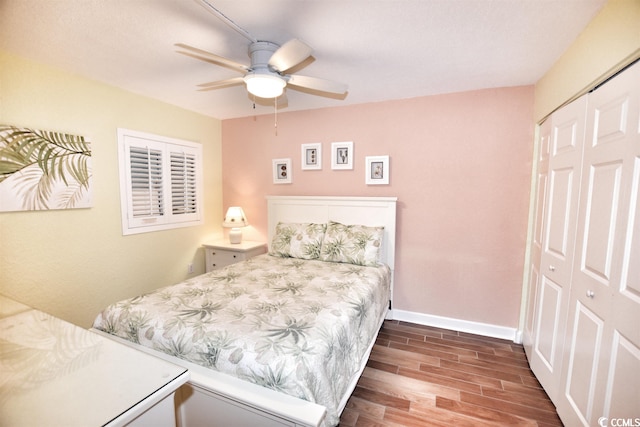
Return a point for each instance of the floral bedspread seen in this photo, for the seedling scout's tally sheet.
(297, 326)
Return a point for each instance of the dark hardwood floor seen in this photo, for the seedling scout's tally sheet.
(424, 376)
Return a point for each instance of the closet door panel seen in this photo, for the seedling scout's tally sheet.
(630, 275)
(541, 190)
(532, 302)
(558, 240)
(542, 173)
(559, 221)
(584, 357)
(540, 199)
(622, 393)
(549, 319)
(605, 277)
(603, 200)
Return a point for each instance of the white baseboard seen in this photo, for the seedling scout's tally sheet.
(458, 325)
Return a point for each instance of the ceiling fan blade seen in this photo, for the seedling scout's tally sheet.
(289, 55)
(203, 55)
(315, 83)
(220, 84)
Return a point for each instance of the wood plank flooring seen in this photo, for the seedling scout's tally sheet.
(424, 376)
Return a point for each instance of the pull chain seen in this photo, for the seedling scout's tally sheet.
(275, 105)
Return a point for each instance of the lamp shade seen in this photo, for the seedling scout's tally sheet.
(235, 218)
(264, 85)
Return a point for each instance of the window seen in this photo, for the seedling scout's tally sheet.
(160, 182)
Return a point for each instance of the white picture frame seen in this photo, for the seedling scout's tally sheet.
(342, 155)
(282, 172)
(377, 170)
(311, 156)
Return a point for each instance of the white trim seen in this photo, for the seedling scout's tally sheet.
(459, 325)
(518, 337)
(167, 146)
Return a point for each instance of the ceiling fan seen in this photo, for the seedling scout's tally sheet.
(266, 75)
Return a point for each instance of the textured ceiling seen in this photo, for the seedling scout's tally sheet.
(382, 49)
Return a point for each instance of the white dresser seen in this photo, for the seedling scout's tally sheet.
(53, 373)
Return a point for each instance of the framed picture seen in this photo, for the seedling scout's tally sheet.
(377, 170)
(312, 156)
(282, 171)
(342, 155)
(44, 170)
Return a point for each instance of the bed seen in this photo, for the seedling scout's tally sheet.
(282, 338)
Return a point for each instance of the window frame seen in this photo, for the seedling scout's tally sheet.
(180, 172)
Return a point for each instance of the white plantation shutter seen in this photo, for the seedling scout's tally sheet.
(161, 182)
(183, 183)
(146, 182)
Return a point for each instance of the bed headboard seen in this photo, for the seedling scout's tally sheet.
(369, 211)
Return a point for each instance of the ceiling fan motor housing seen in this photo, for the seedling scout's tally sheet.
(260, 53)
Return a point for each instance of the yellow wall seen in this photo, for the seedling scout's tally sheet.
(607, 44)
(71, 263)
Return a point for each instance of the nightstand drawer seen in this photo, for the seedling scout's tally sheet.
(221, 253)
(220, 258)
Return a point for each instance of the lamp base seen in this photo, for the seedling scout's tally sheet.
(235, 235)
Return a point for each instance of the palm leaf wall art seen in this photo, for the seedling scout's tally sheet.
(42, 170)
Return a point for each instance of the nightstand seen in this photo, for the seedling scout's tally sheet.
(221, 253)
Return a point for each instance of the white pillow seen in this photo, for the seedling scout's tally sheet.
(352, 244)
(298, 240)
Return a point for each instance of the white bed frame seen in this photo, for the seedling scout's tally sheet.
(369, 211)
(211, 398)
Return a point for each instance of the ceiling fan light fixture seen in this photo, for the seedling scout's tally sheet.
(264, 85)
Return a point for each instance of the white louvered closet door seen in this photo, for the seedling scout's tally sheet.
(601, 377)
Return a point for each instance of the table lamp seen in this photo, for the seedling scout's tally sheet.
(235, 219)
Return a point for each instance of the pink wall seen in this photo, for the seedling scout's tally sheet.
(460, 167)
